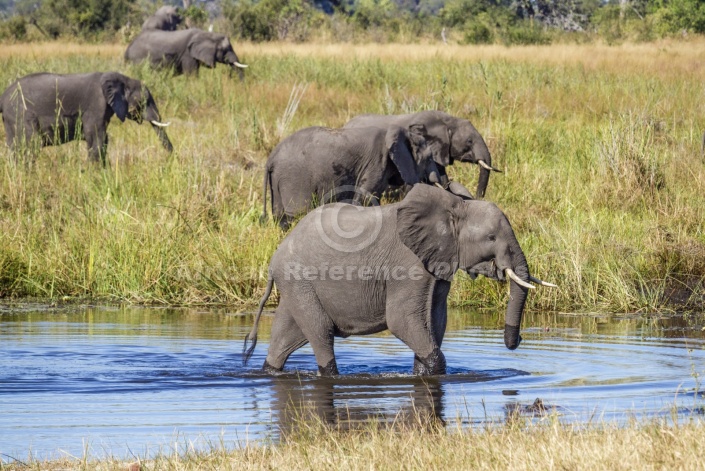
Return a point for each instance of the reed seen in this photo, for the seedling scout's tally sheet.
(601, 147)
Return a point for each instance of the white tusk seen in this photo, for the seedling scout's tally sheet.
(439, 186)
(242, 66)
(482, 164)
(542, 283)
(161, 125)
(510, 273)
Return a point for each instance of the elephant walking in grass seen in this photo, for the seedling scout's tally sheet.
(51, 109)
(460, 140)
(185, 51)
(348, 270)
(318, 165)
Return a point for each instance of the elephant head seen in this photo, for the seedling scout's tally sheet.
(448, 233)
(412, 149)
(467, 145)
(211, 48)
(166, 18)
(129, 98)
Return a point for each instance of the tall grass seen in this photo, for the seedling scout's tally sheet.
(604, 178)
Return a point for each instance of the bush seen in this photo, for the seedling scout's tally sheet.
(269, 20)
(14, 28)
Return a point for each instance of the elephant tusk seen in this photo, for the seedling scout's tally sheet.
(439, 186)
(484, 165)
(513, 276)
(161, 125)
(542, 283)
(242, 66)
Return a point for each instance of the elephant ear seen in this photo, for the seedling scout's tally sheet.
(439, 138)
(113, 86)
(427, 223)
(203, 50)
(400, 153)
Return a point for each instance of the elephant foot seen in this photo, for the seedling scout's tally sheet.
(269, 369)
(434, 364)
(331, 369)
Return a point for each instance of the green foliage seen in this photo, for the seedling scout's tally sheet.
(196, 15)
(269, 20)
(14, 28)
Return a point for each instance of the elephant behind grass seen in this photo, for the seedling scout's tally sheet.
(46, 109)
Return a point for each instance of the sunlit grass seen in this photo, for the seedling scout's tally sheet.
(517, 445)
(603, 178)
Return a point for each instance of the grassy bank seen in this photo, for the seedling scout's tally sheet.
(544, 446)
(601, 147)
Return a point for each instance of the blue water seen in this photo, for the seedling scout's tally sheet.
(125, 382)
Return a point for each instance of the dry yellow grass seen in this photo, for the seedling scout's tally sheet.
(546, 446)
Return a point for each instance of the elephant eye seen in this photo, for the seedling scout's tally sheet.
(492, 237)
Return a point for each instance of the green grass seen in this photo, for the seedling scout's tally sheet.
(604, 179)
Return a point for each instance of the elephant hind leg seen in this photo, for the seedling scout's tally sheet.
(286, 338)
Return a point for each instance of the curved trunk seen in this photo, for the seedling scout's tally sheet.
(517, 300)
(152, 114)
(163, 138)
(481, 152)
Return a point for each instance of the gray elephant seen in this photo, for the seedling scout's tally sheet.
(317, 165)
(52, 109)
(349, 270)
(461, 141)
(185, 50)
(166, 18)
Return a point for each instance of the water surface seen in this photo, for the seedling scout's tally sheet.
(136, 381)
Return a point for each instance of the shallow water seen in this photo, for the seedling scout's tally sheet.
(131, 381)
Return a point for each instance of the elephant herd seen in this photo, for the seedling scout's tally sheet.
(361, 268)
(45, 109)
(344, 269)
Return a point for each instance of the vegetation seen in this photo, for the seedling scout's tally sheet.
(601, 148)
(517, 445)
(464, 21)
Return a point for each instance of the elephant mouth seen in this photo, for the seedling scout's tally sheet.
(487, 269)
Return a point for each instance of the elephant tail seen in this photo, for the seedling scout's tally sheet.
(252, 336)
(267, 182)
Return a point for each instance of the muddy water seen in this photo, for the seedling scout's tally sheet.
(118, 382)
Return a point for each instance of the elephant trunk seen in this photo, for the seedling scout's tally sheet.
(482, 154)
(163, 138)
(151, 115)
(235, 65)
(517, 300)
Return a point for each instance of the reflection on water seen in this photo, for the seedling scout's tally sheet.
(136, 381)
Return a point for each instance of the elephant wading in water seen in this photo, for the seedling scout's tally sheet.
(460, 139)
(347, 270)
(185, 50)
(166, 18)
(53, 109)
(319, 165)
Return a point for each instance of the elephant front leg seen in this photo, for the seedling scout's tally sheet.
(409, 319)
(97, 147)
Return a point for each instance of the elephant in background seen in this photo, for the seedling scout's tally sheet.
(460, 140)
(346, 270)
(60, 108)
(317, 165)
(184, 50)
(166, 18)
